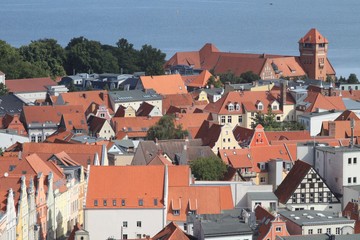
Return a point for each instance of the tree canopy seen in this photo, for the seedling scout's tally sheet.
(353, 78)
(208, 168)
(45, 57)
(165, 129)
(246, 77)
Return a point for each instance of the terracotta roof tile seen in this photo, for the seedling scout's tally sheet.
(48, 114)
(102, 180)
(197, 81)
(164, 84)
(172, 232)
(29, 84)
(314, 37)
(85, 98)
(207, 200)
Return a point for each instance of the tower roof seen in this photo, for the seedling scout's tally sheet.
(313, 36)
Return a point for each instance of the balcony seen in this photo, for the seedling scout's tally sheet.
(248, 174)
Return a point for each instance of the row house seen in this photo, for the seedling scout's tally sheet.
(169, 196)
(48, 118)
(252, 164)
(239, 108)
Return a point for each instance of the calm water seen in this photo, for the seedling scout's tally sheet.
(258, 26)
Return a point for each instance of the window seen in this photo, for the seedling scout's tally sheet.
(337, 230)
(125, 236)
(155, 202)
(319, 231)
(95, 202)
(310, 231)
(349, 160)
(125, 224)
(354, 160)
(39, 138)
(260, 107)
(278, 229)
(176, 212)
(231, 107)
(229, 119)
(349, 180)
(278, 118)
(114, 202)
(354, 179)
(185, 227)
(104, 202)
(33, 138)
(123, 202)
(262, 179)
(240, 119)
(222, 119)
(228, 139)
(138, 236)
(237, 107)
(224, 139)
(141, 202)
(192, 212)
(102, 115)
(328, 230)
(252, 114)
(138, 223)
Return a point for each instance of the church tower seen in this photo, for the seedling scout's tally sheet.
(313, 54)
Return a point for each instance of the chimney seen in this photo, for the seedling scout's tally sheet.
(283, 86)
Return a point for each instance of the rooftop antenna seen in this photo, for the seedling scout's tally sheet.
(352, 125)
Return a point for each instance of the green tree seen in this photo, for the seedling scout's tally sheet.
(249, 77)
(47, 54)
(353, 78)
(212, 81)
(267, 120)
(127, 56)
(3, 89)
(208, 168)
(151, 60)
(165, 129)
(85, 55)
(229, 77)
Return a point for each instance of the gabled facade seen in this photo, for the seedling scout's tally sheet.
(304, 189)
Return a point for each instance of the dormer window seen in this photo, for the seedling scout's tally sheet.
(260, 106)
(95, 203)
(237, 106)
(231, 107)
(192, 212)
(176, 212)
(141, 202)
(274, 107)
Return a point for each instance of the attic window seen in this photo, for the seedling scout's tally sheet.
(176, 212)
(123, 203)
(231, 107)
(105, 202)
(141, 202)
(237, 107)
(95, 203)
(192, 212)
(155, 202)
(70, 122)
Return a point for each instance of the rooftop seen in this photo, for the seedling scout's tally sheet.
(355, 148)
(134, 95)
(312, 217)
(262, 196)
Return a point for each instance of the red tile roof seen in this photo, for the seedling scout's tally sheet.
(85, 98)
(29, 84)
(48, 114)
(203, 199)
(103, 179)
(346, 116)
(314, 37)
(178, 100)
(197, 81)
(172, 232)
(164, 84)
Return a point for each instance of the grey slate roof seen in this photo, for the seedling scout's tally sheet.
(221, 225)
(147, 150)
(320, 237)
(262, 196)
(134, 95)
(10, 104)
(313, 217)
